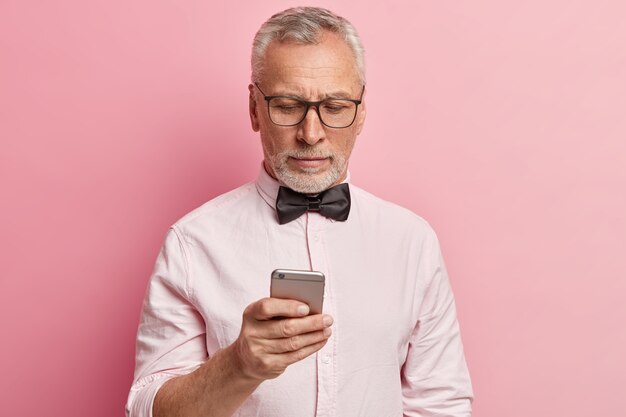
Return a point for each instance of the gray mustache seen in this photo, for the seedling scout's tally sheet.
(307, 154)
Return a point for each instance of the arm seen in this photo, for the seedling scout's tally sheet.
(203, 392)
(174, 376)
(264, 349)
(435, 379)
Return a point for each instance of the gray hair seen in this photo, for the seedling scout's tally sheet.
(304, 25)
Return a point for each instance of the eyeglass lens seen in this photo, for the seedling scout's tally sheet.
(287, 111)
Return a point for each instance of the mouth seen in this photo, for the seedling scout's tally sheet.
(310, 162)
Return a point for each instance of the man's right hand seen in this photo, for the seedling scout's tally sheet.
(264, 349)
(266, 346)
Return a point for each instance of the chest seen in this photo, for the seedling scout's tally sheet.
(369, 289)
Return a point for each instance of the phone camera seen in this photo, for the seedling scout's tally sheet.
(281, 276)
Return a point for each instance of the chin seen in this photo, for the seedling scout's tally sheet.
(312, 182)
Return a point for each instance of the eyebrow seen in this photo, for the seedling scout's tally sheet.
(339, 94)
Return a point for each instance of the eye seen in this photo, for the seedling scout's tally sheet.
(286, 108)
(336, 106)
(286, 105)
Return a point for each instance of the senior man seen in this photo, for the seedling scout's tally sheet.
(387, 344)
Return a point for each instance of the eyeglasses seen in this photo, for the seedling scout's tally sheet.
(337, 113)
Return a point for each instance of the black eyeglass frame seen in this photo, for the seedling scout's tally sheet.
(315, 105)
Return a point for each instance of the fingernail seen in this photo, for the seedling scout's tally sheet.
(328, 320)
(327, 331)
(303, 309)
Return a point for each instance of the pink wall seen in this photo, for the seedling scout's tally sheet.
(502, 123)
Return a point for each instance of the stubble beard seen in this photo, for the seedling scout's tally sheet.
(307, 180)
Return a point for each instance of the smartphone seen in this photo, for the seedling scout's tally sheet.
(305, 286)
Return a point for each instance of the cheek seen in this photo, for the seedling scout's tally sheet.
(268, 144)
(273, 141)
(345, 144)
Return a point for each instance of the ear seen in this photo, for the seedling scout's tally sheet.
(360, 117)
(254, 116)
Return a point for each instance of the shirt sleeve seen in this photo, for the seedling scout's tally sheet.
(435, 379)
(171, 335)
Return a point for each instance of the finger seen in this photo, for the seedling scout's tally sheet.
(298, 355)
(285, 328)
(294, 343)
(267, 308)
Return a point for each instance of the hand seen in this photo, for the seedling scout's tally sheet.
(266, 346)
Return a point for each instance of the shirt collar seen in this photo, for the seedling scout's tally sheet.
(268, 186)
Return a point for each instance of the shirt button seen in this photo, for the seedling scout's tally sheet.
(326, 358)
(316, 238)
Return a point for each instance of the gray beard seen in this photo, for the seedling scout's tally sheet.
(307, 180)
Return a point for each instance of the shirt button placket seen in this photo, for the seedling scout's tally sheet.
(326, 377)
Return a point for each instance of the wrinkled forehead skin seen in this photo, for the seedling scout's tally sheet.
(328, 66)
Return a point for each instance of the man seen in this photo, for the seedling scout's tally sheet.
(211, 342)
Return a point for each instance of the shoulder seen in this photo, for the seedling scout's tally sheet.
(219, 209)
(388, 215)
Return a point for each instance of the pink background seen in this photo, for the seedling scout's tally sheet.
(502, 123)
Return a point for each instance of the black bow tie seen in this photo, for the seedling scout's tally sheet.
(333, 203)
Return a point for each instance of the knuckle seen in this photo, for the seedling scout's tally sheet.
(295, 343)
(250, 332)
(265, 307)
(287, 328)
(270, 368)
(253, 330)
(256, 351)
(300, 354)
(253, 308)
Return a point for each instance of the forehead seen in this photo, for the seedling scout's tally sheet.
(311, 69)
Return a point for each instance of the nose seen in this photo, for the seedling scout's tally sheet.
(311, 129)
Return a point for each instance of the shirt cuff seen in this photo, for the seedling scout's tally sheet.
(142, 394)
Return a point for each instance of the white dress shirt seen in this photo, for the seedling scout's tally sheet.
(395, 349)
